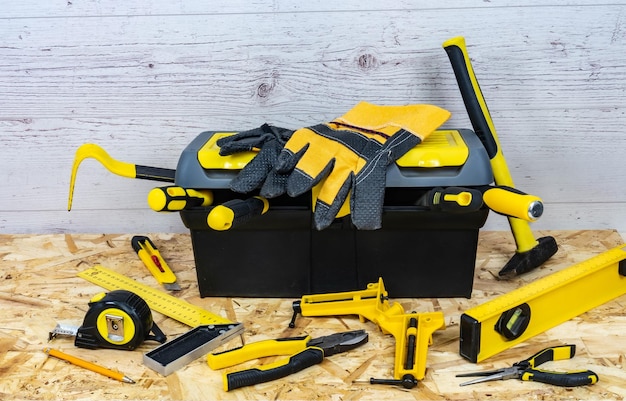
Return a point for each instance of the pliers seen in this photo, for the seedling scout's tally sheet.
(525, 370)
(303, 352)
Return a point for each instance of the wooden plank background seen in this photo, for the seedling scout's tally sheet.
(143, 78)
(41, 289)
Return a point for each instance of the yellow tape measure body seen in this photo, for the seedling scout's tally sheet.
(158, 301)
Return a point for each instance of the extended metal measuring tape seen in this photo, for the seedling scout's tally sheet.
(209, 330)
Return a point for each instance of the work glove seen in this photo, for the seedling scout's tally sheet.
(351, 155)
(259, 172)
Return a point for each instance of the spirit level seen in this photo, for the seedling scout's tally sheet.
(514, 317)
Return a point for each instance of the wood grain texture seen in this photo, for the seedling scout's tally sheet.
(144, 78)
(39, 288)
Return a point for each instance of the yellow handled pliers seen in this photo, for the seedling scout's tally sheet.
(303, 352)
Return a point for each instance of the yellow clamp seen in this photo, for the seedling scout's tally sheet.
(412, 331)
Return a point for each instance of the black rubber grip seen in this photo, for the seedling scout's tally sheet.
(570, 379)
(155, 173)
(472, 105)
(298, 362)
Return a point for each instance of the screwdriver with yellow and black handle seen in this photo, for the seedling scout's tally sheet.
(174, 198)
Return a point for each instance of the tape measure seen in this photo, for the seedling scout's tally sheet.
(159, 301)
(119, 319)
(514, 317)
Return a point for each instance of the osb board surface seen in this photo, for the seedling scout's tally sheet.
(39, 288)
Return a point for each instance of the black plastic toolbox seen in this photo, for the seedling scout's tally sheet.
(417, 252)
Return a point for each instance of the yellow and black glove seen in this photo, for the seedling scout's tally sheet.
(259, 172)
(351, 155)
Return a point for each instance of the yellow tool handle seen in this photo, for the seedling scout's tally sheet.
(273, 371)
(236, 212)
(513, 203)
(563, 379)
(259, 349)
(174, 198)
(549, 354)
(151, 257)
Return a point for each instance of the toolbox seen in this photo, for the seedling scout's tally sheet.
(418, 252)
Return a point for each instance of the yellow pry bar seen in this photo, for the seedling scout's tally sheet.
(123, 169)
(551, 301)
(158, 301)
(94, 151)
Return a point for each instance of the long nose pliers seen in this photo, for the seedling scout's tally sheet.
(526, 370)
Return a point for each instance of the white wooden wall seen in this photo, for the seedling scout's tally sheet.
(142, 78)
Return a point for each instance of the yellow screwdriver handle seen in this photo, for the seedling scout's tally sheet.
(174, 198)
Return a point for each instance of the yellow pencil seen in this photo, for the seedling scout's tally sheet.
(88, 365)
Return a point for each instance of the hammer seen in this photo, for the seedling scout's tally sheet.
(531, 253)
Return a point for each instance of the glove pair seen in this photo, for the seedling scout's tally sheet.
(347, 157)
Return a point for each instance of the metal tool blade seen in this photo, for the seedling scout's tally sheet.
(172, 286)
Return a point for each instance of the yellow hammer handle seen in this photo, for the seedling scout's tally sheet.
(513, 203)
